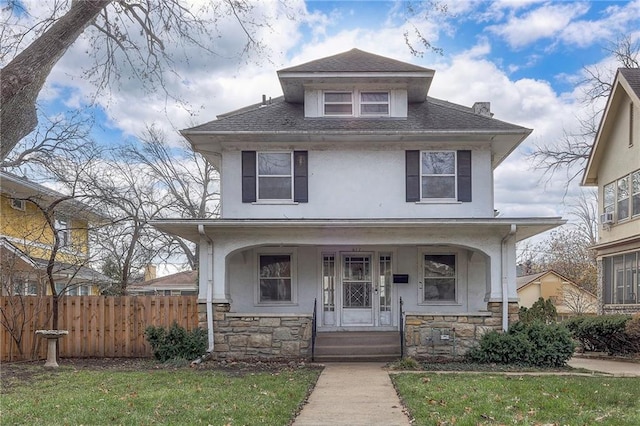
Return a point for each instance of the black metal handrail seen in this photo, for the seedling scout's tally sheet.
(314, 330)
(401, 329)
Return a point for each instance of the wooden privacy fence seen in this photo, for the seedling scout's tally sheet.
(99, 326)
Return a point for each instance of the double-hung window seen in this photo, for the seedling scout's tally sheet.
(356, 104)
(338, 103)
(61, 225)
(275, 175)
(635, 193)
(438, 175)
(439, 278)
(622, 197)
(275, 277)
(374, 104)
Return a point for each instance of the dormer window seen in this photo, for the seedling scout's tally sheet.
(374, 103)
(356, 104)
(338, 103)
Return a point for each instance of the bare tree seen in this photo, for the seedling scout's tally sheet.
(571, 153)
(416, 12)
(125, 35)
(129, 195)
(565, 251)
(578, 301)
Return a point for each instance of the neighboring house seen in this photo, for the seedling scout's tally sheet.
(351, 193)
(614, 167)
(179, 284)
(26, 241)
(568, 298)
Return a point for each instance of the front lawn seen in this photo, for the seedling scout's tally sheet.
(488, 399)
(73, 396)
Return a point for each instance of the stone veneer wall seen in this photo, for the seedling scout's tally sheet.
(469, 328)
(238, 336)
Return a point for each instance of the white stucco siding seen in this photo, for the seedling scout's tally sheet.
(359, 184)
(479, 264)
(471, 285)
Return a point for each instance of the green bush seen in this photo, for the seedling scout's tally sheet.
(176, 343)
(528, 344)
(606, 333)
(542, 310)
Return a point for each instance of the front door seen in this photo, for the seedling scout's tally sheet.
(357, 290)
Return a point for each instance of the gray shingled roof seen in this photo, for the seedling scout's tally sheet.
(280, 115)
(632, 75)
(355, 60)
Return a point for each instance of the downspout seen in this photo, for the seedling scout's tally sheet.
(209, 288)
(505, 286)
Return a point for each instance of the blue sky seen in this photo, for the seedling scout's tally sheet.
(523, 56)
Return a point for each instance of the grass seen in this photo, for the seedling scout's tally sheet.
(488, 399)
(179, 396)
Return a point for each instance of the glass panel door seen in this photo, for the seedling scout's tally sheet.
(357, 288)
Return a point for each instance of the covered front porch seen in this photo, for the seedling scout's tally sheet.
(265, 286)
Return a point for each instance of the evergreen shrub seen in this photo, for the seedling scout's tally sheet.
(528, 344)
(176, 343)
(613, 334)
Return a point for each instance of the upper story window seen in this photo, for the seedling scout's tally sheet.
(630, 124)
(275, 173)
(622, 197)
(438, 175)
(338, 103)
(374, 103)
(274, 176)
(18, 204)
(358, 103)
(61, 225)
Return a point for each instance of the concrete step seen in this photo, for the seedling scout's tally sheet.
(357, 346)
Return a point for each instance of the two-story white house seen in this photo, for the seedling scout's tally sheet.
(358, 202)
(614, 167)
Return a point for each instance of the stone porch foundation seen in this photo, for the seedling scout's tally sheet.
(242, 336)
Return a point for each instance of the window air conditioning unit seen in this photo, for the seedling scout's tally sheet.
(606, 218)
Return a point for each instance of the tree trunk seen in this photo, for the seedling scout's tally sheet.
(23, 77)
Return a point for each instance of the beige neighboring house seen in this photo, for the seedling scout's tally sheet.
(568, 298)
(180, 284)
(614, 167)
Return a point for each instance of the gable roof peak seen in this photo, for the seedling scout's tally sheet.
(355, 60)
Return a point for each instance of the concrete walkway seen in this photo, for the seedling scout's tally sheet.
(615, 368)
(360, 394)
(356, 394)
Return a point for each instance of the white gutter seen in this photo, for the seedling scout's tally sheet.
(209, 287)
(504, 270)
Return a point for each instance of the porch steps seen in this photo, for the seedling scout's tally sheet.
(357, 346)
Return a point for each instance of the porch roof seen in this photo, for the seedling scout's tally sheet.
(191, 228)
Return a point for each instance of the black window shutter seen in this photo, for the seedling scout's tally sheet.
(464, 176)
(300, 177)
(412, 166)
(248, 176)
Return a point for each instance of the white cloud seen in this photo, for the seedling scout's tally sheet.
(543, 22)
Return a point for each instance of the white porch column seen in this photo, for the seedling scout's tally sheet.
(205, 276)
(220, 288)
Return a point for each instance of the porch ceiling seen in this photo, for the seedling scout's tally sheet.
(190, 228)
